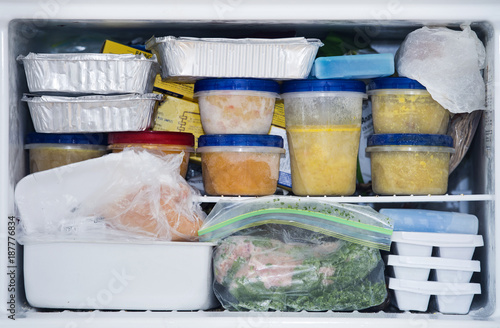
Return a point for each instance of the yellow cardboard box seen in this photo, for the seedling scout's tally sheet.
(179, 90)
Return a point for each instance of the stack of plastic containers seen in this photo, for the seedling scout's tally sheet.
(409, 151)
(431, 256)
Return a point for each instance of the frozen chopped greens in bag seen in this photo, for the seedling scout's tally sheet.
(311, 256)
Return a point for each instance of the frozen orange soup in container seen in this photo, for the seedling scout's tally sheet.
(50, 150)
(403, 105)
(240, 164)
(236, 106)
(323, 124)
(410, 164)
(162, 142)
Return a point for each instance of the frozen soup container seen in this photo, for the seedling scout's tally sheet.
(410, 164)
(229, 106)
(240, 164)
(403, 105)
(323, 124)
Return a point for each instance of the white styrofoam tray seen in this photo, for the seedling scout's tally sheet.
(418, 268)
(457, 246)
(187, 58)
(58, 114)
(89, 73)
(133, 276)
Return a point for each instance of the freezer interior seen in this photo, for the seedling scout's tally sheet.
(471, 185)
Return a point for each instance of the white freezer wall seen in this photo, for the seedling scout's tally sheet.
(26, 25)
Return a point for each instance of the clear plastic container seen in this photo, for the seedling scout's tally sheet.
(402, 105)
(323, 123)
(410, 164)
(239, 164)
(229, 106)
(47, 151)
(163, 142)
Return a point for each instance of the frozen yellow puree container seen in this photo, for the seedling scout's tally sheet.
(402, 105)
(410, 164)
(49, 150)
(235, 106)
(323, 123)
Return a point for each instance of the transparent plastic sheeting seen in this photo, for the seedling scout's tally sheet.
(448, 63)
(188, 58)
(132, 195)
(292, 254)
(355, 223)
(89, 73)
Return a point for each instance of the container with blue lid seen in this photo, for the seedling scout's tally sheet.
(323, 125)
(410, 164)
(47, 150)
(229, 106)
(403, 105)
(240, 164)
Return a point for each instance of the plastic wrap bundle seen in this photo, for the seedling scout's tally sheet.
(131, 195)
(293, 254)
(448, 64)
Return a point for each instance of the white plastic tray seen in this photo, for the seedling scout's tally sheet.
(452, 298)
(457, 246)
(119, 276)
(418, 268)
(57, 114)
(89, 73)
(186, 59)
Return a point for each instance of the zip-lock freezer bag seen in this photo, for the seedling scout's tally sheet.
(294, 254)
(131, 195)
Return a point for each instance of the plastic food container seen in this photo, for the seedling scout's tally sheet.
(417, 220)
(159, 141)
(230, 106)
(410, 164)
(323, 124)
(419, 267)
(85, 73)
(186, 59)
(240, 164)
(119, 276)
(56, 114)
(449, 245)
(452, 298)
(402, 105)
(366, 66)
(47, 151)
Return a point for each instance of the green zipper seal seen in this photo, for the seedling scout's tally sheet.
(359, 225)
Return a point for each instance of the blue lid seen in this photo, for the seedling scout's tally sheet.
(252, 140)
(395, 83)
(400, 139)
(83, 139)
(237, 84)
(323, 85)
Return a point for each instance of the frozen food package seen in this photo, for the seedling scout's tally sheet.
(96, 113)
(131, 195)
(188, 58)
(89, 73)
(448, 63)
(294, 254)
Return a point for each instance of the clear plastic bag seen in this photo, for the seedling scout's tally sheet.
(131, 195)
(448, 64)
(313, 255)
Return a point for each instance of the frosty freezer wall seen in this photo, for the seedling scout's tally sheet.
(38, 25)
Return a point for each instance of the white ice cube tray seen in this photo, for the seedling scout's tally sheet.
(449, 245)
(451, 298)
(446, 270)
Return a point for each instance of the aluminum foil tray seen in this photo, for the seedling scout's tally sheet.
(57, 114)
(186, 59)
(89, 73)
